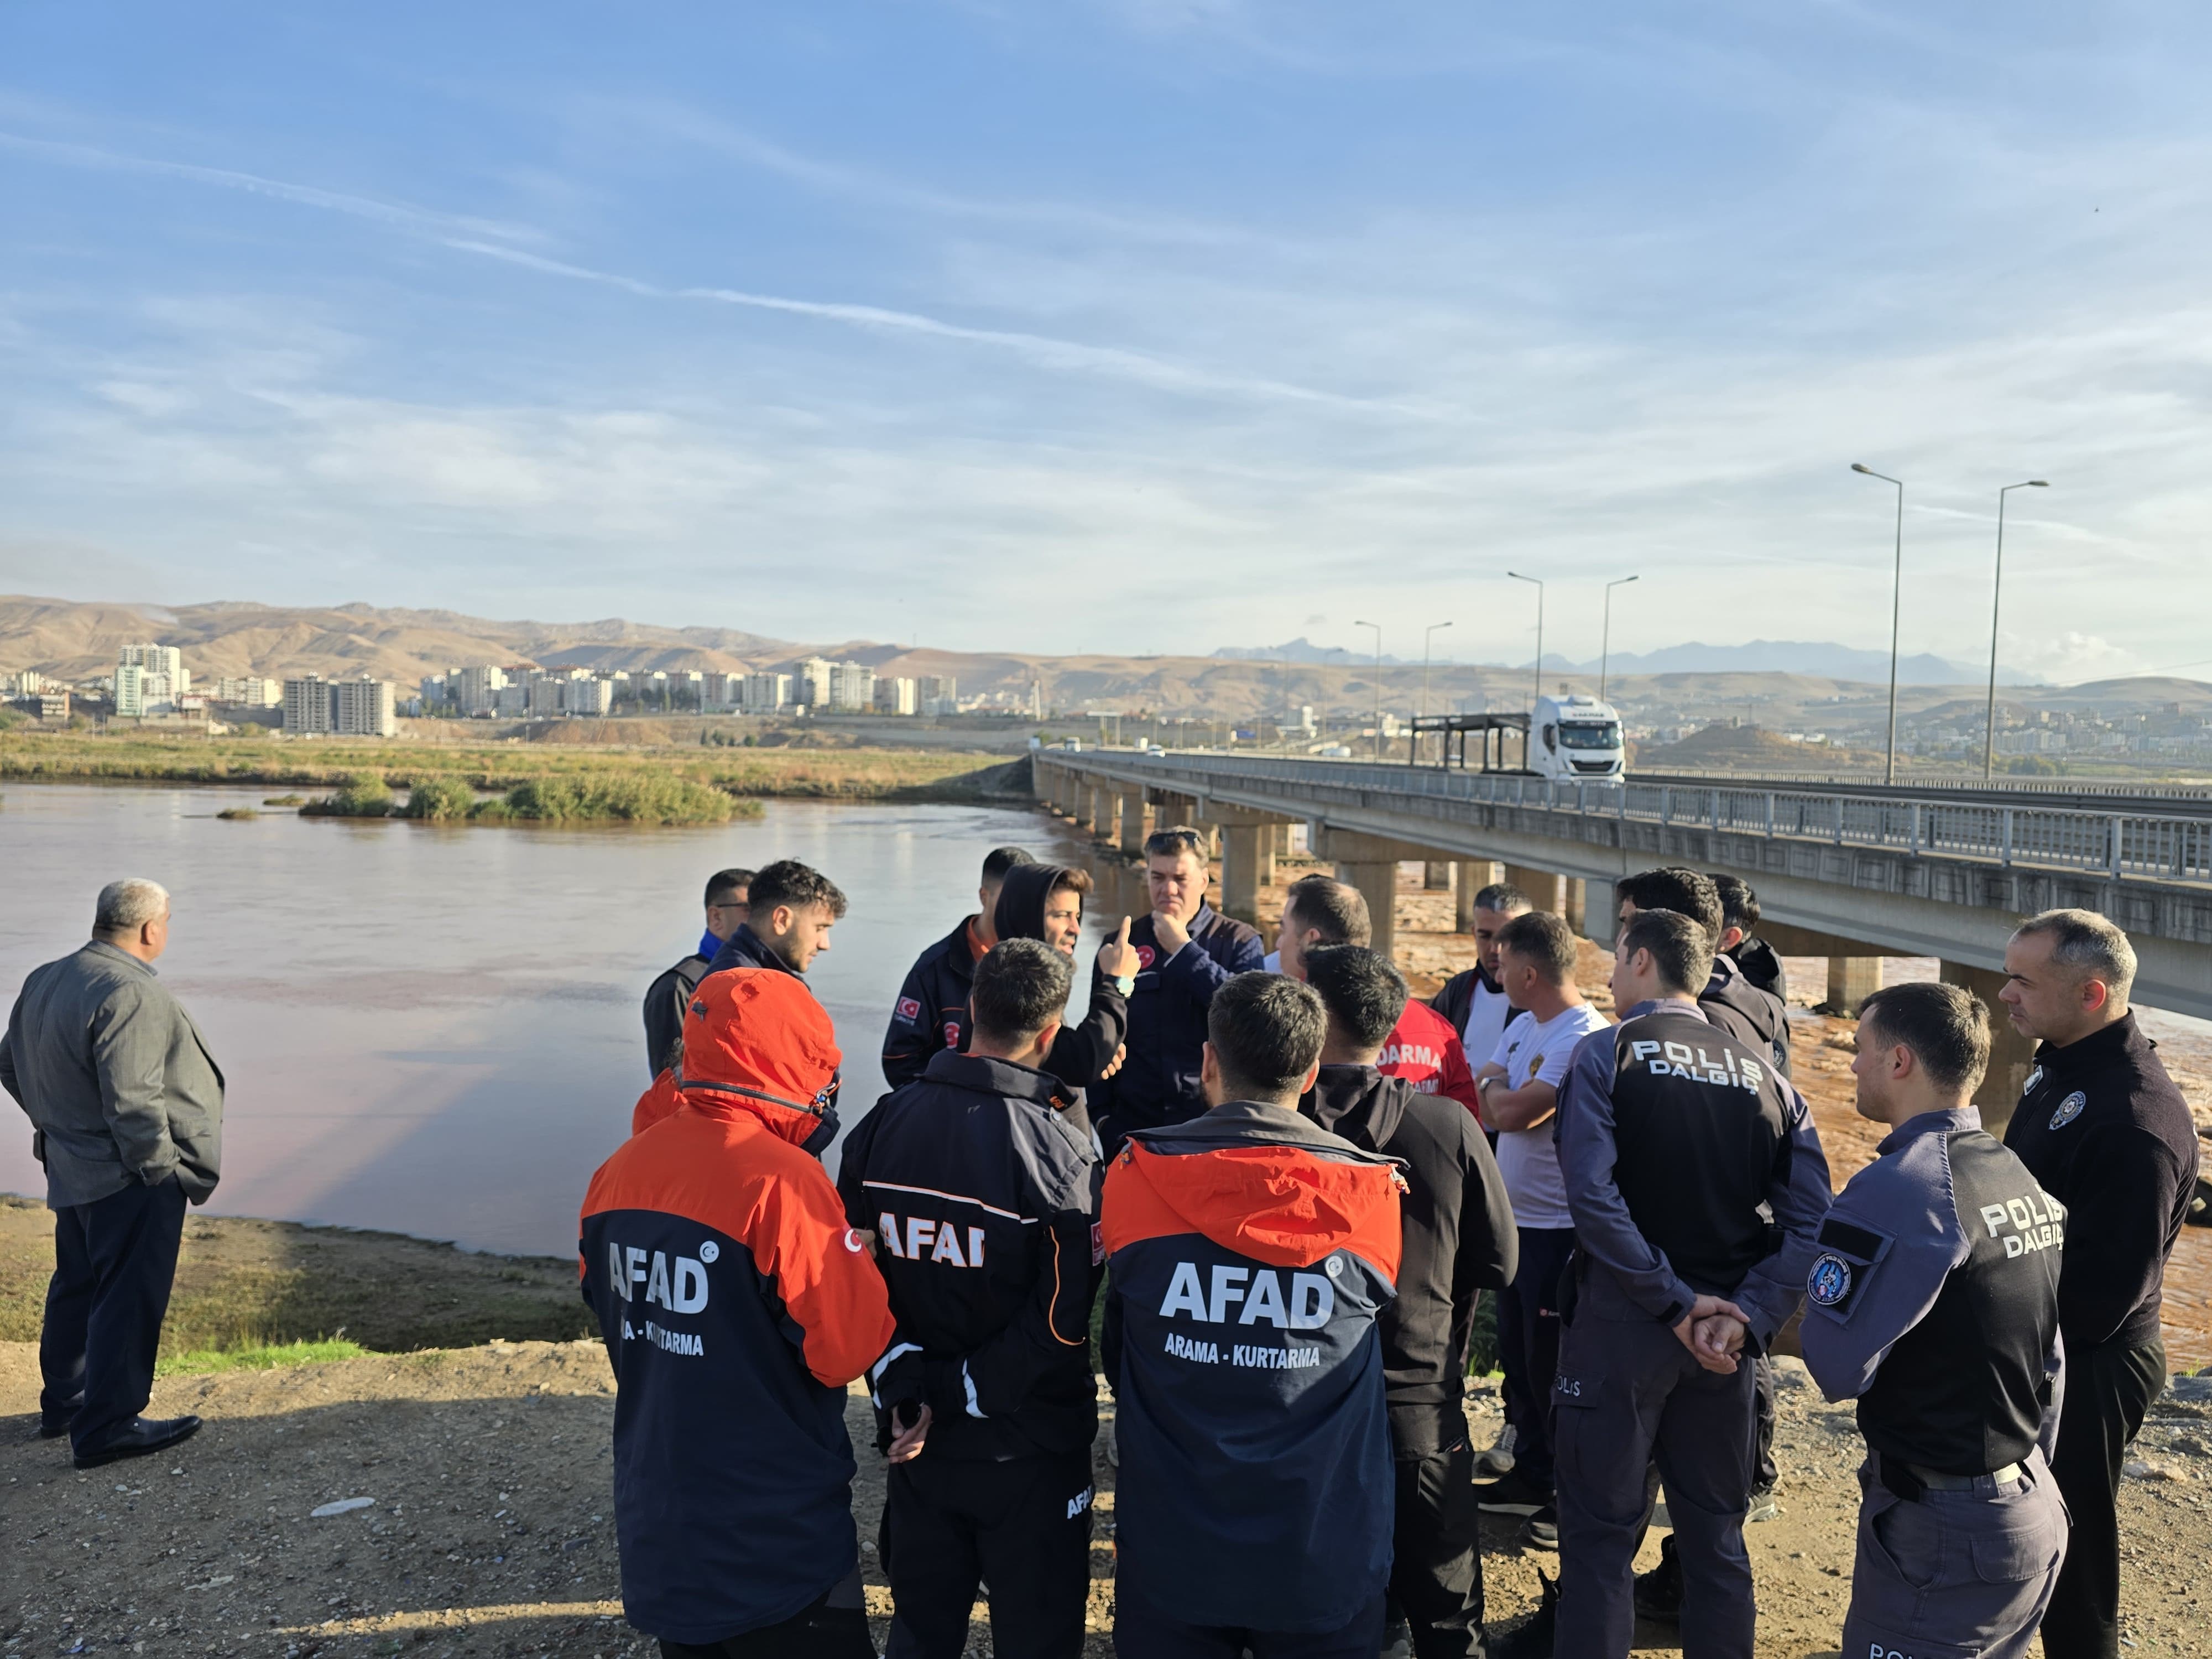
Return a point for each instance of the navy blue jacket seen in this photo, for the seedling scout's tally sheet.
(1158, 1082)
(931, 1014)
(984, 1196)
(746, 948)
(1251, 1254)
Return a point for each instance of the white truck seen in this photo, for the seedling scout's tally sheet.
(1576, 737)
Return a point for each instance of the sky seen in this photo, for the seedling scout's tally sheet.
(1136, 326)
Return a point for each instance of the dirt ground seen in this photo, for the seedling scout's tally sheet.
(492, 1531)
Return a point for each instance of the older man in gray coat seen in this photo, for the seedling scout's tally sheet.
(126, 1107)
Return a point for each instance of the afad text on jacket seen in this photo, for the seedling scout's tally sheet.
(1249, 1253)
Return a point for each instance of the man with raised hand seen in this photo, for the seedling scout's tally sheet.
(983, 1195)
(1251, 1252)
(1186, 950)
(1934, 1302)
(2102, 1127)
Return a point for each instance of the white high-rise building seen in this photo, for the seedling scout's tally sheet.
(851, 686)
(149, 679)
(251, 690)
(764, 694)
(362, 708)
(307, 706)
(895, 697)
(479, 688)
(810, 683)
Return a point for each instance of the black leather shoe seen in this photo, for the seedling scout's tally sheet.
(53, 1428)
(138, 1437)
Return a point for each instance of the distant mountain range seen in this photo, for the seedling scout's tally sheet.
(1821, 658)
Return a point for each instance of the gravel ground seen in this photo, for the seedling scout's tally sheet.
(491, 1530)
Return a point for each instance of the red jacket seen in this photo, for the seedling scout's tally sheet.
(1427, 1053)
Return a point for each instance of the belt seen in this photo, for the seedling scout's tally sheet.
(1909, 1481)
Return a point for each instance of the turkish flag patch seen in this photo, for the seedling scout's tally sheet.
(909, 1008)
(1097, 1244)
(1146, 956)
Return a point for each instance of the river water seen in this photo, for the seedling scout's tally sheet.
(436, 1031)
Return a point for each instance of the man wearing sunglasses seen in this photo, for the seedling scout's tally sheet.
(666, 998)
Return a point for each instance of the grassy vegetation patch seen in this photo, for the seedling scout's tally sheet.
(366, 795)
(244, 1285)
(266, 1357)
(238, 814)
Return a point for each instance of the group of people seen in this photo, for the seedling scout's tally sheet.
(1269, 1190)
(1272, 1187)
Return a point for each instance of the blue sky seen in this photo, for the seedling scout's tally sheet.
(1152, 326)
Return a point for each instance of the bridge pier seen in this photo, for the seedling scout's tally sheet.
(1136, 822)
(1247, 844)
(1436, 876)
(2012, 1056)
(1852, 981)
(1369, 864)
(1563, 896)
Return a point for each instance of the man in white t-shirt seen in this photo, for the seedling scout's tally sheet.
(1520, 1093)
(1473, 1001)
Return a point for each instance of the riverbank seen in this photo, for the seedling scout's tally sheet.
(856, 774)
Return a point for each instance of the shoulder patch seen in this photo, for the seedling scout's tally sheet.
(2034, 1077)
(910, 1009)
(1829, 1282)
(2069, 1109)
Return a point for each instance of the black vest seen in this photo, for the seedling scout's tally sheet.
(1702, 1126)
(1963, 1391)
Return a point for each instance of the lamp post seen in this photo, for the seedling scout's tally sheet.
(1997, 595)
(1427, 634)
(1539, 586)
(1896, 612)
(1605, 650)
(1377, 627)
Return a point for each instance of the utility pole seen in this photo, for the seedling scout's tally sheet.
(1539, 586)
(1896, 613)
(1604, 649)
(1377, 627)
(1997, 596)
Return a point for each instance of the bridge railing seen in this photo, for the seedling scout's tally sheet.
(2161, 847)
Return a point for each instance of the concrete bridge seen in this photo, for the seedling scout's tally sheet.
(1846, 873)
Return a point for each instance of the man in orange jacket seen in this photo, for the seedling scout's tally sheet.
(735, 1305)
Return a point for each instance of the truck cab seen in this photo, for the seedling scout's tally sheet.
(1576, 737)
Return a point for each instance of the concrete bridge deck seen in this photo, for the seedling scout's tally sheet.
(1843, 871)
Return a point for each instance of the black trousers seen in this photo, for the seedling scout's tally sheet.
(2108, 1389)
(114, 1261)
(1141, 1633)
(1436, 1578)
(1528, 1345)
(834, 1627)
(1022, 1526)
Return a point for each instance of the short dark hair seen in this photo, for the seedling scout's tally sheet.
(790, 882)
(1362, 991)
(723, 882)
(1333, 907)
(1946, 1026)
(1020, 987)
(1739, 904)
(1686, 892)
(1070, 878)
(1544, 941)
(2089, 944)
(1177, 838)
(1680, 948)
(1504, 897)
(1000, 859)
(1266, 1032)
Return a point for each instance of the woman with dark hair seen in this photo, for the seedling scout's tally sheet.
(1045, 901)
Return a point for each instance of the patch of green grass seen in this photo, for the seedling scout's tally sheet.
(626, 797)
(366, 795)
(440, 799)
(266, 1357)
(237, 814)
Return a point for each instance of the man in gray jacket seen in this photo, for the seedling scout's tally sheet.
(126, 1107)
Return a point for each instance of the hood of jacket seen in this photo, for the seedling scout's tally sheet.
(755, 1041)
(1261, 1182)
(1358, 1103)
(1022, 895)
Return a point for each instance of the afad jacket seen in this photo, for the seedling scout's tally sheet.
(1250, 1255)
(985, 1198)
(736, 1305)
(1159, 1081)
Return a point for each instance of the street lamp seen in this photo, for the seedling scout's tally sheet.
(1377, 627)
(1539, 586)
(1896, 612)
(1997, 592)
(1427, 634)
(1605, 650)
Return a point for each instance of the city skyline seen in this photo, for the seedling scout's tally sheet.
(1310, 318)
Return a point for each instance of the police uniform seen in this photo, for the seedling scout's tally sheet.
(1934, 1302)
(2103, 1130)
(1691, 1168)
(983, 1198)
